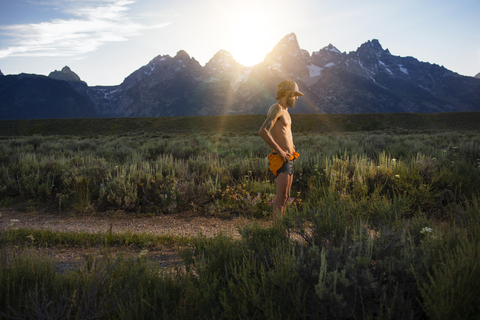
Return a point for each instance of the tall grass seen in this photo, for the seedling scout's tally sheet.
(388, 224)
(152, 174)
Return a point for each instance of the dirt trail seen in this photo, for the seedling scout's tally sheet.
(183, 224)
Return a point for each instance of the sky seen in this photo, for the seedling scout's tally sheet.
(104, 41)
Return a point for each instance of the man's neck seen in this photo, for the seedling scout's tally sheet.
(283, 104)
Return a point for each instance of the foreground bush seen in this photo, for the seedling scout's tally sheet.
(402, 270)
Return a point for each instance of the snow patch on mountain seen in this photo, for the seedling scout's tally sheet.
(152, 67)
(107, 93)
(314, 70)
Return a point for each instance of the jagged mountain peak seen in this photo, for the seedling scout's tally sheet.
(66, 74)
(182, 55)
(289, 42)
(222, 61)
(287, 59)
(372, 46)
(1, 74)
(159, 59)
(477, 76)
(223, 54)
(222, 57)
(289, 37)
(331, 48)
(327, 56)
(288, 46)
(183, 60)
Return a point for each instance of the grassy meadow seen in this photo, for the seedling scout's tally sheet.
(387, 207)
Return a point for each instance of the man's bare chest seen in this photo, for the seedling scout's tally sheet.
(285, 120)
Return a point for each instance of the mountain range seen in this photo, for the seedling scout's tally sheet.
(368, 80)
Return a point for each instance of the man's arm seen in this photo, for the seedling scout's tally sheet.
(264, 131)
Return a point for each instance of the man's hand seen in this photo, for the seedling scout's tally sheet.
(285, 156)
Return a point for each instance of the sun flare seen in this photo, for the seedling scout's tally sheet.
(250, 32)
(249, 46)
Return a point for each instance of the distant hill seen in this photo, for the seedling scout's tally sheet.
(368, 80)
(28, 96)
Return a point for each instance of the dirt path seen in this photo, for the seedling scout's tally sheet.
(183, 224)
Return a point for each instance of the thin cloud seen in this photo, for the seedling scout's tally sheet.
(92, 27)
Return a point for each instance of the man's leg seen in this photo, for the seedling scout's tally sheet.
(290, 181)
(284, 182)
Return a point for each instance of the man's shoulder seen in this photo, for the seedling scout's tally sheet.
(274, 108)
(275, 105)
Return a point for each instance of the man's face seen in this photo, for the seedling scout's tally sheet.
(291, 99)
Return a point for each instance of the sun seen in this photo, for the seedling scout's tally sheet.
(250, 31)
(250, 46)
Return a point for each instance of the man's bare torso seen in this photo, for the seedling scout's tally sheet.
(282, 129)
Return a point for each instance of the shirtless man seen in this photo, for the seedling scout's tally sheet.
(276, 131)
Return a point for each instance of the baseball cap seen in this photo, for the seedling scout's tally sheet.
(291, 86)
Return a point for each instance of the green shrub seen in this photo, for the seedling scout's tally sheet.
(439, 170)
(451, 289)
(120, 192)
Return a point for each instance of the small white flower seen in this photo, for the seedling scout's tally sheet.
(426, 229)
(397, 176)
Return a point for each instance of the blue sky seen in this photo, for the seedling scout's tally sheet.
(104, 41)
